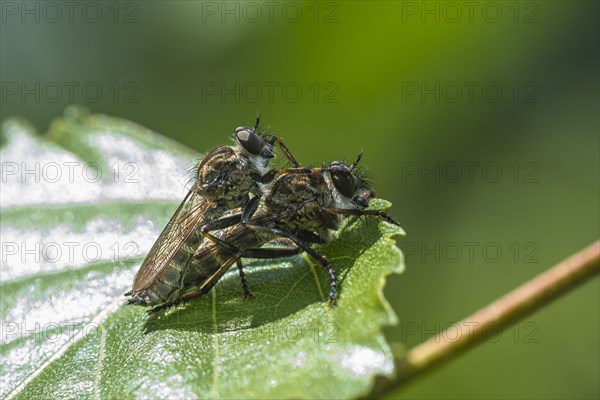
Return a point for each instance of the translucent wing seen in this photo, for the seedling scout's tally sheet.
(186, 220)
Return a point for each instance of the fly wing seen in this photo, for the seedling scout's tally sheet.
(183, 223)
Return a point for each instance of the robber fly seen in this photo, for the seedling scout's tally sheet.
(302, 207)
(223, 180)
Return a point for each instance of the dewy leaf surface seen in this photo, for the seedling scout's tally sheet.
(72, 242)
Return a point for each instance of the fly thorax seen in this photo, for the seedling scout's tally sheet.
(297, 190)
(216, 169)
(248, 167)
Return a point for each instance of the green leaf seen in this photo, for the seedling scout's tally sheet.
(72, 243)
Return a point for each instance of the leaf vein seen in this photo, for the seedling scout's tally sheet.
(73, 339)
(100, 363)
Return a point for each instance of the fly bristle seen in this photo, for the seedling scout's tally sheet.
(192, 174)
(365, 182)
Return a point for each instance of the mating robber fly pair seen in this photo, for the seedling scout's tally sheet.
(235, 206)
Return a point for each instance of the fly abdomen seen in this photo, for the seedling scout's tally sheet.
(200, 268)
(169, 283)
(172, 273)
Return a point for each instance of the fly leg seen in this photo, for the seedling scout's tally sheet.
(302, 245)
(360, 213)
(258, 253)
(240, 267)
(154, 310)
(223, 223)
(262, 253)
(277, 140)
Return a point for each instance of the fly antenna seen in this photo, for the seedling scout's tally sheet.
(355, 163)
(257, 121)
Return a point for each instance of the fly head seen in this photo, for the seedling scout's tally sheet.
(251, 141)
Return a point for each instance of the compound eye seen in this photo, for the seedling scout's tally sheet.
(344, 182)
(249, 140)
(361, 201)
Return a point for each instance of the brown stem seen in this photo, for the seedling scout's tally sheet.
(497, 316)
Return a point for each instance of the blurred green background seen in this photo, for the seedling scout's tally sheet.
(479, 122)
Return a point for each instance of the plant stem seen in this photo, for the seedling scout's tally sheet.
(497, 316)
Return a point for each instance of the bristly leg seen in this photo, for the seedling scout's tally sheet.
(155, 310)
(360, 213)
(240, 267)
(249, 211)
(302, 246)
(276, 140)
(273, 253)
